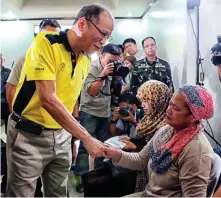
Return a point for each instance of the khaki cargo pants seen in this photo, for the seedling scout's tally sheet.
(30, 156)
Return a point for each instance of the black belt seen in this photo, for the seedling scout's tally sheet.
(29, 122)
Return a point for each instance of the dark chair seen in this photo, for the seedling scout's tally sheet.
(102, 183)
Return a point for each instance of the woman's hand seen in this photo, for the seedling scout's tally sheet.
(124, 138)
(113, 153)
(129, 145)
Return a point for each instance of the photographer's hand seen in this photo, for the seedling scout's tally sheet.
(129, 118)
(124, 88)
(108, 69)
(114, 120)
(116, 114)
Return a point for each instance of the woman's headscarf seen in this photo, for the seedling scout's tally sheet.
(158, 95)
(166, 145)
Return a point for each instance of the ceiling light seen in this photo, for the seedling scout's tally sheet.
(9, 15)
(129, 14)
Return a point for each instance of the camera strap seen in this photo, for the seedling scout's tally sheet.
(106, 94)
(102, 78)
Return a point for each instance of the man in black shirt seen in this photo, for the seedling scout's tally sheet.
(150, 68)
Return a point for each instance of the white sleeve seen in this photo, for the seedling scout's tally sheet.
(120, 125)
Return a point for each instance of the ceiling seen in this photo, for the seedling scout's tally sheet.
(38, 9)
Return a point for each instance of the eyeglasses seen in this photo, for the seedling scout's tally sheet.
(148, 46)
(104, 35)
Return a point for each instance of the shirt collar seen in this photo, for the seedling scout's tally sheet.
(151, 63)
(64, 39)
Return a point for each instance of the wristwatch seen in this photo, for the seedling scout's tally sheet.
(101, 78)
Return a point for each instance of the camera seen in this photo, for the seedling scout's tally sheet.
(119, 69)
(216, 50)
(123, 111)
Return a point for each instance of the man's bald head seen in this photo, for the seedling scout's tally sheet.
(93, 26)
(93, 12)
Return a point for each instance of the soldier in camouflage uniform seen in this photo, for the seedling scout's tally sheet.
(150, 68)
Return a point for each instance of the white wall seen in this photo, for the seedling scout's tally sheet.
(210, 27)
(129, 28)
(16, 36)
(169, 23)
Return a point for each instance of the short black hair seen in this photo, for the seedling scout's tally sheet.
(111, 48)
(129, 98)
(50, 22)
(149, 37)
(121, 47)
(91, 12)
(129, 40)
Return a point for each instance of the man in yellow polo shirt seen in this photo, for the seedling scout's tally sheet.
(51, 79)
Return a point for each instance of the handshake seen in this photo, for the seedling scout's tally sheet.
(98, 149)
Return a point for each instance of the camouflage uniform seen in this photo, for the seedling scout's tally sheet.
(145, 70)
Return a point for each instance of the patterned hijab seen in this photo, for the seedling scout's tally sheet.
(166, 145)
(158, 95)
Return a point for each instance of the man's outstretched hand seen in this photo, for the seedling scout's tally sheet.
(94, 147)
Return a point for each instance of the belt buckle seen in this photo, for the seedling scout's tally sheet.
(19, 119)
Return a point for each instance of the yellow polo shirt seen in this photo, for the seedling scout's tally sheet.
(50, 58)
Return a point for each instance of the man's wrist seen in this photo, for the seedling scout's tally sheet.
(86, 138)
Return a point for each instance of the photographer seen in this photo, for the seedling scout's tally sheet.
(216, 52)
(95, 104)
(130, 62)
(120, 85)
(126, 116)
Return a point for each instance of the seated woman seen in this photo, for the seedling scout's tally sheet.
(179, 157)
(155, 97)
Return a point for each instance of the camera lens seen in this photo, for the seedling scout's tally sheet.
(123, 112)
(119, 69)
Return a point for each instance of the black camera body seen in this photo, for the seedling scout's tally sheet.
(119, 69)
(123, 111)
(216, 50)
